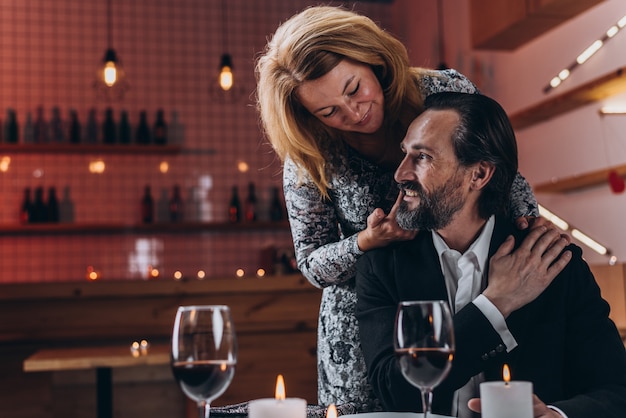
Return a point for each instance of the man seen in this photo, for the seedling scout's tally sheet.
(517, 298)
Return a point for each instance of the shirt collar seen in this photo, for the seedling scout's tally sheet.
(480, 246)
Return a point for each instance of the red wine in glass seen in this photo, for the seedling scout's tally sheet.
(203, 379)
(424, 345)
(425, 367)
(204, 353)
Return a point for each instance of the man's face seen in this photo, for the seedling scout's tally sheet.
(433, 182)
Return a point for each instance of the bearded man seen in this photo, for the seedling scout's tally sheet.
(522, 298)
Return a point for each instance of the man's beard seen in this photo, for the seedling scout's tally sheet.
(435, 211)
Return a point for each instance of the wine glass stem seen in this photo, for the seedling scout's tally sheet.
(427, 398)
(204, 409)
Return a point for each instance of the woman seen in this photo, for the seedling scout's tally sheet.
(336, 94)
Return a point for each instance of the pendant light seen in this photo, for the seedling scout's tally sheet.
(110, 81)
(226, 78)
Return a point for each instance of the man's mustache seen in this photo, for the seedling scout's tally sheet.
(415, 187)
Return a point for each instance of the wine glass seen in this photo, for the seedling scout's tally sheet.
(204, 352)
(424, 345)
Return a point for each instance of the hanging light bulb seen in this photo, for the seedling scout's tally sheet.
(226, 72)
(110, 72)
(110, 82)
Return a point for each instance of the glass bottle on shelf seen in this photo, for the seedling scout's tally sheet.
(234, 207)
(39, 211)
(52, 208)
(143, 130)
(147, 206)
(29, 129)
(175, 130)
(74, 131)
(41, 127)
(92, 127)
(276, 206)
(176, 205)
(56, 126)
(160, 129)
(66, 206)
(26, 208)
(124, 128)
(109, 130)
(11, 128)
(250, 204)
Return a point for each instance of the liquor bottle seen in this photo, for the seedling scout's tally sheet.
(74, 133)
(142, 135)
(176, 205)
(52, 206)
(147, 206)
(66, 206)
(175, 130)
(91, 135)
(29, 130)
(56, 126)
(39, 211)
(250, 204)
(160, 129)
(26, 208)
(124, 128)
(109, 130)
(276, 206)
(11, 128)
(234, 207)
(41, 127)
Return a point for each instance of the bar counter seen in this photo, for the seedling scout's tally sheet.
(275, 319)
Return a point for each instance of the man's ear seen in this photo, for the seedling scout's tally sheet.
(481, 174)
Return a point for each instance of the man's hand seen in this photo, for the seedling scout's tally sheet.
(518, 277)
(540, 409)
(383, 229)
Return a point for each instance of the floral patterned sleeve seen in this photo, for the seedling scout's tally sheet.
(522, 200)
(324, 258)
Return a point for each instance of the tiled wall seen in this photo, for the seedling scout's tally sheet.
(170, 49)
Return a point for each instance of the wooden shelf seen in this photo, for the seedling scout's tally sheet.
(156, 228)
(507, 25)
(579, 182)
(602, 87)
(89, 148)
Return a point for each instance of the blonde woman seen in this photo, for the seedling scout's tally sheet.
(336, 94)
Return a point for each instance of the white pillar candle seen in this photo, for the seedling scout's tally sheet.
(277, 408)
(506, 399)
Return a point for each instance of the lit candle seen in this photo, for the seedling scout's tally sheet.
(331, 412)
(279, 406)
(506, 399)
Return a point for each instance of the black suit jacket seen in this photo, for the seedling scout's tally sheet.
(567, 345)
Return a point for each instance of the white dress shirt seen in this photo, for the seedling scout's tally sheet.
(465, 280)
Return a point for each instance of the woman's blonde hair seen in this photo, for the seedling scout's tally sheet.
(306, 47)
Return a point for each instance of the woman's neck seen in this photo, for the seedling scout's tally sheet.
(381, 148)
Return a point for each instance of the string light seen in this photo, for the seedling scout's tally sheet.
(585, 55)
(578, 234)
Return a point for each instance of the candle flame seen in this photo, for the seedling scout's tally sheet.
(331, 412)
(506, 373)
(280, 387)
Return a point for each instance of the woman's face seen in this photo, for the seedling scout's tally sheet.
(349, 98)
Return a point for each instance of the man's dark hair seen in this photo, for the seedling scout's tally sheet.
(485, 134)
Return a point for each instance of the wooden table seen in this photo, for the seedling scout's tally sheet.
(103, 359)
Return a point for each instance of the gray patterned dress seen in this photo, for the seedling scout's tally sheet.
(324, 235)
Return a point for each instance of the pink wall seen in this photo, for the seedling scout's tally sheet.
(49, 51)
